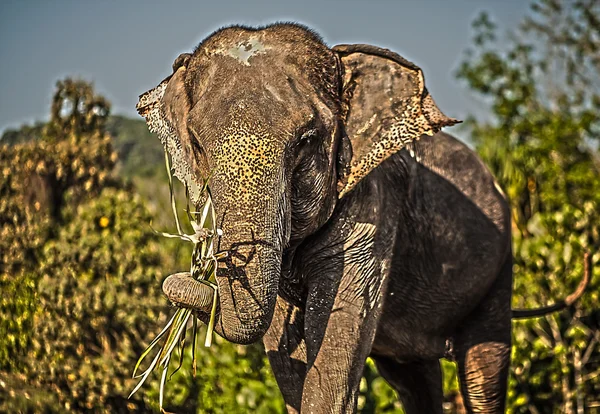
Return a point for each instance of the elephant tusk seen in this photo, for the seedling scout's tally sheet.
(186, 292)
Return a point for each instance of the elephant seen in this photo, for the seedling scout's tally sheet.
(354, 227)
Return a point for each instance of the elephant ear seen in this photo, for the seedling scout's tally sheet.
(386, 106)
(166, 108)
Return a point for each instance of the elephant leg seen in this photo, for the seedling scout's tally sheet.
(336, 362)
(340, 326)
(418, 384)
(286, 349)
(483, 348)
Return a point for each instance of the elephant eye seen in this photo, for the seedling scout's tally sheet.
(307, 135)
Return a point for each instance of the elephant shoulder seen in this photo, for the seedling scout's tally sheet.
(447, 155)
(454, 161)
(446, 159)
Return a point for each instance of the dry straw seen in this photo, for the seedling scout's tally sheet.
(203, 267)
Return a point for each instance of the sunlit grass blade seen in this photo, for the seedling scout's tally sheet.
(212, 268)
(152, 345)
(171, 192)
(211, 322)
(181, 313)
(194, 335)
(174, 236)
(196, 257)
(145, 375)
(172, 342)
(182, 236)
(187, 204)
(181, 342)
(207, 217)
(163, 380)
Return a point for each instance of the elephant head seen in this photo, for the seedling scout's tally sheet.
(286, 127)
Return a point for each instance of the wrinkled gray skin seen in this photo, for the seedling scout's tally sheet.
(347, 236)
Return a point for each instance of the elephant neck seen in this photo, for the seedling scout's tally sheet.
(292, 286)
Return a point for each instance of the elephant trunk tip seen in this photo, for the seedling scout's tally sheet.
(186, 292)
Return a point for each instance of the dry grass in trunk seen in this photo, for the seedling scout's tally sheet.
(202, 268)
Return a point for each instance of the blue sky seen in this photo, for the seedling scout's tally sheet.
(126, 47)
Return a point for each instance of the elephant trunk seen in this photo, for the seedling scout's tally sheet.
(248, 284)
(248, 278)
(248, 194)
(248, 190)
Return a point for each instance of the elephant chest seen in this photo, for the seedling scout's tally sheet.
(403, 343)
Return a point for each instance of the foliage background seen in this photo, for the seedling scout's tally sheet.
(84, 270)
(543, 86)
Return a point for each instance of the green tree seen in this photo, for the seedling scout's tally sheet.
(76, 109)
(21, 135)
(543, 89)
(140, 153)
